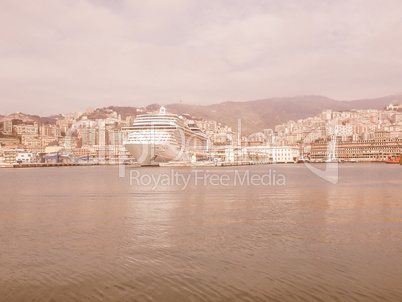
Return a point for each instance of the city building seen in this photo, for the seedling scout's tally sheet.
(379, 149)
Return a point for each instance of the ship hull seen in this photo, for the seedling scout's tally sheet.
(393, 160)
(148, 154)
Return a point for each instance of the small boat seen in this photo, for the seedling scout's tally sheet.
(393, 160)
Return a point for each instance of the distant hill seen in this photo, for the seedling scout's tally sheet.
(26, 118)
(377, 103)
(262, 114)
(255, 115)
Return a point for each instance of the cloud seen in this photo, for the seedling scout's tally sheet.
(59, 56)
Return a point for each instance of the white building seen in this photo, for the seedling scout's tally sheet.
(285, 154)
(25, 157)
(275, 154)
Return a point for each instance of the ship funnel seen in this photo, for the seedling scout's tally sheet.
(162, 110)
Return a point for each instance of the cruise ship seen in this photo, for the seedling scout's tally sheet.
(164, 137)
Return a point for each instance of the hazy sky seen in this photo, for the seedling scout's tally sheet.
(63, 56)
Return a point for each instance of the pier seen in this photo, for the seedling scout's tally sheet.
(35, 165)
(208, 164)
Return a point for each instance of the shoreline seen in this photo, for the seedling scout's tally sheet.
(174, 164)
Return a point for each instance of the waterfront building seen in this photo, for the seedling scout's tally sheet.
(10, 152)
(274, 154)
(231, 153)
(9, 155)
(25, 157)
(378, 149)
(285, 154)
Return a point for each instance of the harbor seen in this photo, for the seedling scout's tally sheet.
(158, 137)
(197, 151)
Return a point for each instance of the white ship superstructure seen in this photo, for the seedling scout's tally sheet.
(163, 137)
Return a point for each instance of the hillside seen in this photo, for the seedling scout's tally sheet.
(261, 114)
(255, 115)
(377, 103)
(26, 118)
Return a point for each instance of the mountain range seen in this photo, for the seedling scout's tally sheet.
(27, 118)
(255, 115)
(266, 113)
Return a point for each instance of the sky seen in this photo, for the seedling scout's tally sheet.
(66, 55)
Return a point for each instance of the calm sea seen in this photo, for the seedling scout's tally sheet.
(251, 233)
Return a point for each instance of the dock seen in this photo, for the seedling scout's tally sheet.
(207, 164)
(39, 165)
